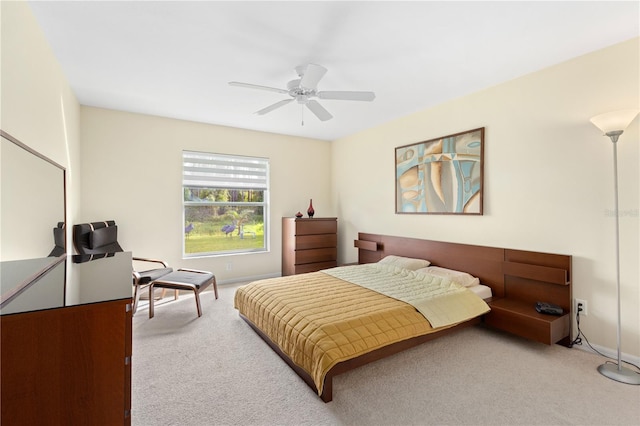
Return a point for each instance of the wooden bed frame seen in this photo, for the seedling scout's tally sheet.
(517, 279)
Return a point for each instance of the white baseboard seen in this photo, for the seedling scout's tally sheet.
(611, 353)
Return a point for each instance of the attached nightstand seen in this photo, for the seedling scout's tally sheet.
(525, 283)
(521, 318)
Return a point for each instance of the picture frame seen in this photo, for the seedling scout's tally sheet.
(441, 176)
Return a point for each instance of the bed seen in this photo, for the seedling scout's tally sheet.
(327, 322)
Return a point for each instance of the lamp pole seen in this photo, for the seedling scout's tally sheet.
(614, 141)
(618, 372)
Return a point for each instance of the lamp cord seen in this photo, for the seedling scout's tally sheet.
(581, 335)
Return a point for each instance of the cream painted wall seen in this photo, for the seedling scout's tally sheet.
(548, 183)
(132, 173)
(37, 104)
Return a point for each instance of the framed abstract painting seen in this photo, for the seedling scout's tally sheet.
(441, 176)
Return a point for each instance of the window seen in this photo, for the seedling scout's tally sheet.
(225, 203)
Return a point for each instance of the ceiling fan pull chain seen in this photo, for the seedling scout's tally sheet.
(302, 114)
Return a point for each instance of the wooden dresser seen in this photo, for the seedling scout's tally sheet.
(309, 245)
(68, 362)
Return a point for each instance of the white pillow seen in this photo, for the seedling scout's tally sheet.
(460, 277)
(409, 263)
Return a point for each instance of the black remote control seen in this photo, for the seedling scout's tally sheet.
(549, 308)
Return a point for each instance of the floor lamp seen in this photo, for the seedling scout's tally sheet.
(613, 124)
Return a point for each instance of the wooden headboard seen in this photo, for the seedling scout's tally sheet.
(518, 279)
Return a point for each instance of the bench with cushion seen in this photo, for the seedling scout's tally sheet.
(184, 279)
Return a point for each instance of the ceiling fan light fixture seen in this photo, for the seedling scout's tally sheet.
(303, 89)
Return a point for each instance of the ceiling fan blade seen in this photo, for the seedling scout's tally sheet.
(255, 86)
(270, 108)
(319, 111)
(312, 76)
(347, 96)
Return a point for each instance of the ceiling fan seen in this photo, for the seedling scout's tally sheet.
(304, 89)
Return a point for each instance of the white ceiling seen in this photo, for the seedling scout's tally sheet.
(175, 59)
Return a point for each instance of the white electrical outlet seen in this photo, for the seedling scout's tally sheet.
(229, 266)
(583, 304)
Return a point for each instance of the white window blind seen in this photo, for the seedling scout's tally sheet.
(208, 170)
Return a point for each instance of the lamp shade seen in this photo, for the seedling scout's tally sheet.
(614, 121)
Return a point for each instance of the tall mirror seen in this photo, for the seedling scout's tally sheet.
(32, 203)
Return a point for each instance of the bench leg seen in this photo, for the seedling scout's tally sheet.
(151, 300)
(136, 297)
(197, 297)
(215, 286)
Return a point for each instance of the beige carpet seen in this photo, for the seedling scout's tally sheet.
(214, 370)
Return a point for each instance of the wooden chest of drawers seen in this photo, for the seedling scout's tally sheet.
(63, 361)
(309, 245)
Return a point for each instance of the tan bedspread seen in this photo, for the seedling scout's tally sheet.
(319, 320)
